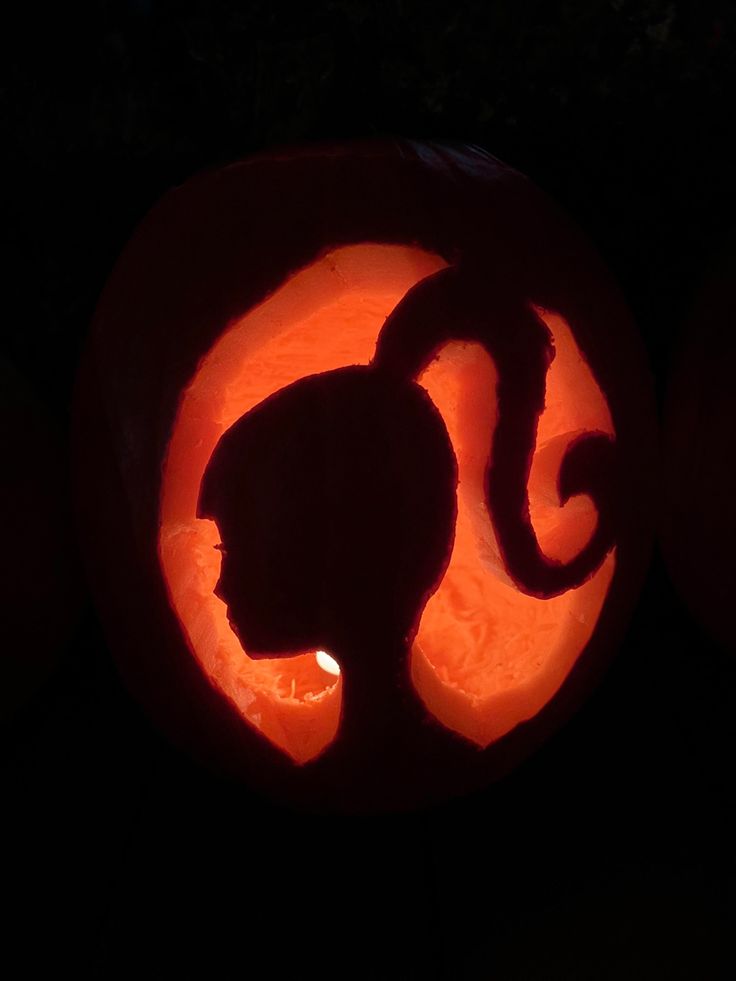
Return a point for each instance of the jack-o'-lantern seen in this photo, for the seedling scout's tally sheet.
(364, 435)
(41, 591)
(697, 527)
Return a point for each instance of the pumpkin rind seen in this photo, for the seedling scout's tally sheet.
(696, 520)
(214, 249)
(42, 592)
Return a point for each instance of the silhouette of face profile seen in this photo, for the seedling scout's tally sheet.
(335, 503)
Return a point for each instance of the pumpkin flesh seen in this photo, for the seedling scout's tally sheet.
(485, 656)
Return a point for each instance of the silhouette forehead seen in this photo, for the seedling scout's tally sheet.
(328, 428)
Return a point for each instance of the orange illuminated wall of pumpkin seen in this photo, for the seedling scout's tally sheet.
(485, 656)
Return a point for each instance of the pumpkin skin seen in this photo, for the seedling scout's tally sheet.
(697, 529)
(466, 252)
(41, 594)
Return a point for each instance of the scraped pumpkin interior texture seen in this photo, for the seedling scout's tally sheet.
(485, 656)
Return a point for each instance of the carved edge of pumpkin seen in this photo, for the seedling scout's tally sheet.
(460, 304)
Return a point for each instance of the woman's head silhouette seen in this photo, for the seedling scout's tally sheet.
(335, 503)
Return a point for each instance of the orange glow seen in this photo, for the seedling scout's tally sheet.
(485, 657)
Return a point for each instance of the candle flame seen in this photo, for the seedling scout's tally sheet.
(327, 663)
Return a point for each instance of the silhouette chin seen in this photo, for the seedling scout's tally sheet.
(260, 644)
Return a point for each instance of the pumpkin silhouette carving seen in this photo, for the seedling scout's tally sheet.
(364, 443)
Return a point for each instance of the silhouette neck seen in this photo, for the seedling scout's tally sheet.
(376, 692)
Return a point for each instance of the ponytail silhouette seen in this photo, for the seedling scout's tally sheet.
(464, 304)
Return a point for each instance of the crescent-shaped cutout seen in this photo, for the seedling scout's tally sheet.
(485, 657)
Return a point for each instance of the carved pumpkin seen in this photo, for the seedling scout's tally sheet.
(364, 437)
(697, 527)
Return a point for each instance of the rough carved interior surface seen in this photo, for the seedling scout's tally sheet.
(486, 656)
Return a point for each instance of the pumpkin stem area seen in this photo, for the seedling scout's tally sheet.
(484, 657)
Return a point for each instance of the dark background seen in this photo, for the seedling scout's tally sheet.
(610, 853)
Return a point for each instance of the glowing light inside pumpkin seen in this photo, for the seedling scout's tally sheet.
(328, 663)
(485, 656)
